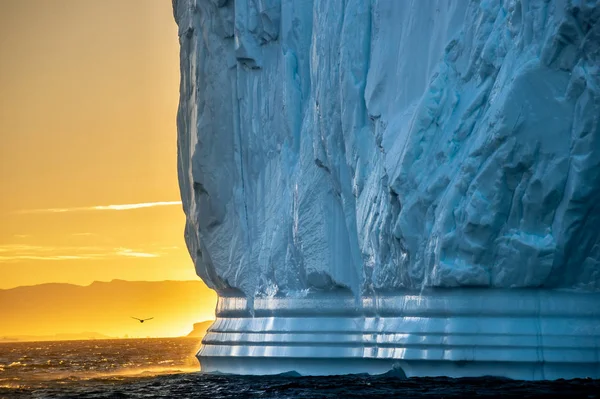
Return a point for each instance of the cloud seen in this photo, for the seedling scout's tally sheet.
(18, 253)
(16, 258)
(119, 207)
(124, 207)
(135, 254)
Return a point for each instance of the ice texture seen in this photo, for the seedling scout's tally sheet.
(377, 147)
(382, 145)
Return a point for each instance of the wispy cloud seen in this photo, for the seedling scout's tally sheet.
(16, 258)
(118, 207)
(124, 207)
(135, 254)
(18, 253)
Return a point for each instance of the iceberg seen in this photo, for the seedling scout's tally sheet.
(409, 185)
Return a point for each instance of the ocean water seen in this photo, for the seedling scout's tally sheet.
(166, 368)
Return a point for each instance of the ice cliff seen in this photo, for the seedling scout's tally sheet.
(386, 145)
(407, 184)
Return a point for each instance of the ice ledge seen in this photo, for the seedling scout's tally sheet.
(521, 334)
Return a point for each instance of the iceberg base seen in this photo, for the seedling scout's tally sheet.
(519, 334)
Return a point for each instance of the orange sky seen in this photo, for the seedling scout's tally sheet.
(88, 99)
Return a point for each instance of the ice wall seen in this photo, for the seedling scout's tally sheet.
(386, 145)
(394, 184)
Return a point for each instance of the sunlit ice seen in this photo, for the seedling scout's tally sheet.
(396, 188)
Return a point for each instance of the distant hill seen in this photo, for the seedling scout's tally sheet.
(105, 308)
(199, 330)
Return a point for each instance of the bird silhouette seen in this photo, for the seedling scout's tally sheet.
(142, 320)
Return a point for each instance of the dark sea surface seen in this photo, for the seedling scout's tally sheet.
(166, 368)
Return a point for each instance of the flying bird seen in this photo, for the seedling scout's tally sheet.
(142, 320)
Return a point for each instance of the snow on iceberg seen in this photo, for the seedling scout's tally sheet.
(417, 182)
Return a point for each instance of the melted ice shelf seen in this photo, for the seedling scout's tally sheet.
(522, 334)
(343, 163)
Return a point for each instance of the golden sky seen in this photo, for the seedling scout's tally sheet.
(105, 308)
(88, 102)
